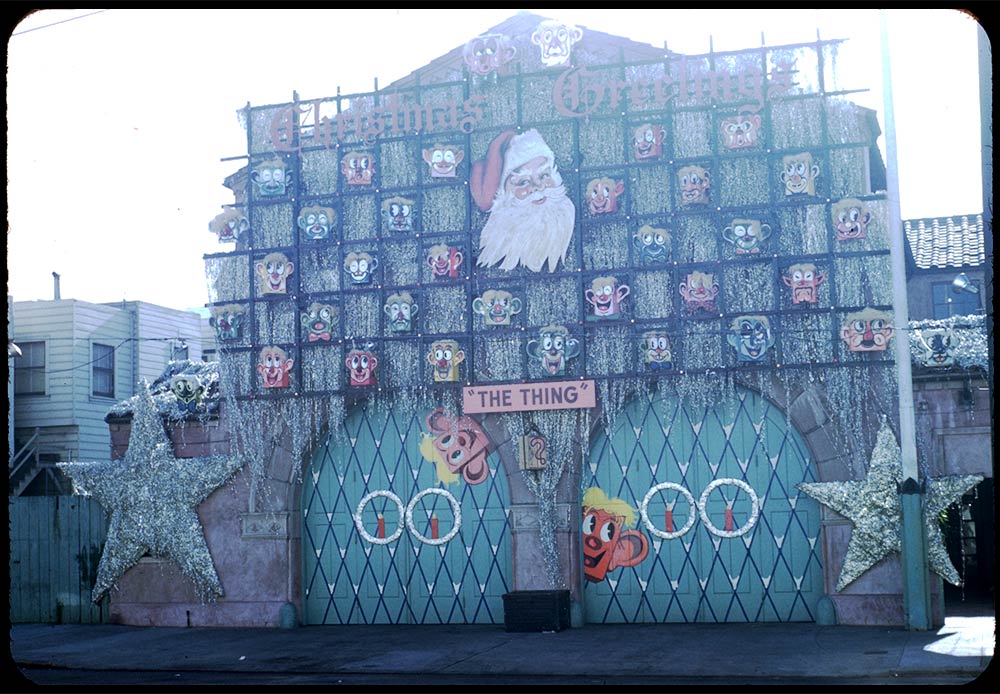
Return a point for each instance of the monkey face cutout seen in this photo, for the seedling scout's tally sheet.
(227, 321)
(488, 53)
(273, 273)
(742, 131)
(445, 356)
(804, 279)
(605, 297)
(867, 331)
(656, 353)
(443, 160)
(799, 174)
(555, 40)
(397, 214)
(602, 195)
(361, 364)
(751, 337)
(189, 391)
(850, 219)
(444, 261)
(318, 322)
(270, 178)
(647, 141)
(938, 345)
(553, 347)
(229, 226)
(699, 291)
(747, 235)
(400, 309)
(606, 544)
(357, 168)
(360, 267)
(317, 222)
(694, 185)
(461, 443)
(652, 245)
(274, 367)
(496, 306)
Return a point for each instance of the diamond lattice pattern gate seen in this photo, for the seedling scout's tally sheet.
(710, 573)
(347, 579)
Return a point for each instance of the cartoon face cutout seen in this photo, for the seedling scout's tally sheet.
(652, 245)
(444, 261)
(496, 306)
(445, 356)
(602, 195)
(488, 53)
(694, 183)
(747, 235)
(273, 272)
(656, 353)
(605, 297)
(318, 322)
(751, 337)
(461, 443)
(443, 160)
(850, 219)
(270, 178)
(553, 347)
(361, 364)
(699, 291)
(804, 279)
(400, 310)
(555, 40)
(274, 367)
(398, 214)
(799, 173)
(189, 390)
(316, 222)
(229, 226)
(360, 267)
(938, 345)
(357, 168)
(227, 321)
(647, 141)
(868, 330)
(606, 544)
(742, 131)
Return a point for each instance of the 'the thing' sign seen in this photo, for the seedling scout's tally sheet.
(518, 397)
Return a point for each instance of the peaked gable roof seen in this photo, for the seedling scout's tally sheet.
(944, 242)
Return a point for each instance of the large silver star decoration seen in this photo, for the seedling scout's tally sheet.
(873, 506)
(152, 497)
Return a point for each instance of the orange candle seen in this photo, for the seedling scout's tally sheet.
(729, 520)
(434, 527)
(381, 526)
(669, 521)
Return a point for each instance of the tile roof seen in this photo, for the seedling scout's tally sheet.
(943, 242)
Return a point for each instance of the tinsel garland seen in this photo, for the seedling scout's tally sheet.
(445, 310)
(499, 358)
(969, 346)
(360, 217)
(846, 171)
(321, 270)
(318, 171)
(275, 322)
(274, 226)
(649, 190)
(693, 134)
(402, 266)
(803, 230)
(749, 288)
(743, 181)
(361, 315)
(228, 279)
(398, 161)
(456, 510)
(553, 302)
(607, 356)
(443, 209)
(605, 246)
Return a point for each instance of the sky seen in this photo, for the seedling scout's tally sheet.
(120, 121)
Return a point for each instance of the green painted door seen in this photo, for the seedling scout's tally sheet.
(728, 537)
(383, 572)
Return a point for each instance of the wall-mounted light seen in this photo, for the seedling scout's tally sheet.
(962, 283)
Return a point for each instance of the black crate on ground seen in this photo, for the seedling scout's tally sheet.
(536, 610)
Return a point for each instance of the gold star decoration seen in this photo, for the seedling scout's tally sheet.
(873, 507)
(152, 497)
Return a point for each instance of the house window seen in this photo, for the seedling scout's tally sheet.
(178, 350)
(947, 303)
(29, 369)
(104, 370)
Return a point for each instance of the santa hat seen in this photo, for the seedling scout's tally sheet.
(507, 152)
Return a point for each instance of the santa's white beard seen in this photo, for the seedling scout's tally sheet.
(520, 231)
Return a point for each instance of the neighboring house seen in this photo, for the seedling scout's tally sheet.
(77, 360)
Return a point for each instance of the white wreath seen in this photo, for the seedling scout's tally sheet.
(361, 526)
(643, 507)
(455, 508)
(754, 507)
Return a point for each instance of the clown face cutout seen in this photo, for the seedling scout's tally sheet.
(555, 40)
(606, 544)
(799, 174)
(270, 178)
(553, 347)
(496, 306)
(444, 357)
(357, 168)
(742, 131)
(273, 273)
(316, 222)
(647, 141)
(602, 195)
(400, 310)
(751, 337)
(318, 322)
(938, 345)
(487, 54)
(443, 160)
(699, 291)
(461, 443)
(850, 219)
(444, 261)
(397, 214)
(189, 390)
(867, 331)
(360, 267)
(274, 367)
(229, 226)
(693, 182)
(655, 349)
(605, 297)
(361, 364)
(652, 245)
(804, 279)
(747, 235)
(227, 321)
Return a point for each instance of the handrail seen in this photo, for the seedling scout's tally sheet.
(25, 453)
